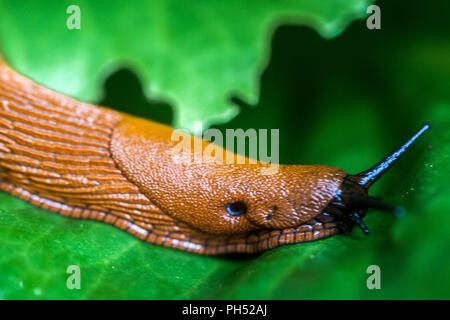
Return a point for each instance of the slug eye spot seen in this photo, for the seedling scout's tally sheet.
(270, 215)
(236, 208)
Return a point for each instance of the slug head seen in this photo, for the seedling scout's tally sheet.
(234, 199)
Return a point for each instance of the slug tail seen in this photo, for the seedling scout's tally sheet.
(370, 176)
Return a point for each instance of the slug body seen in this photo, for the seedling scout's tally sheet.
(91, 162)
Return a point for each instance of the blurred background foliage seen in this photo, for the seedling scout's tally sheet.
(341, 95)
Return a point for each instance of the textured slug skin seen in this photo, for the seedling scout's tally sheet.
(91, 162)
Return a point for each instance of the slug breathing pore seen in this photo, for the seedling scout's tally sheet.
(90, 162)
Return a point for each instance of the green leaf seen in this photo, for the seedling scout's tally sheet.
(344, 102)
(192, 56)
(37, 247)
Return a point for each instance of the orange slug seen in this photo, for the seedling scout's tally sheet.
(90, 162)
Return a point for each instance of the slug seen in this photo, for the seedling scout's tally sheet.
(89, 162)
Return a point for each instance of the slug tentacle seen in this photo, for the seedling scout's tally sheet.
(350, 204)
(368, 177)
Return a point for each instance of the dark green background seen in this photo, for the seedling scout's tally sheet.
(345, 102)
